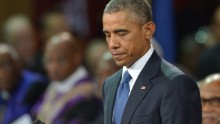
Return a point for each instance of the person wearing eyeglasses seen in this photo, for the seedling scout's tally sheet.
(210, 99)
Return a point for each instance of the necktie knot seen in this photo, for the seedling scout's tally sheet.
(126, 77)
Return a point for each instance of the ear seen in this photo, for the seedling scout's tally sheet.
(149, 29)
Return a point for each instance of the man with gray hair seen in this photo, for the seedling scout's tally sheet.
(147, 89)
(210, 96)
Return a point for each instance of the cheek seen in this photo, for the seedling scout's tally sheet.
(135, 43)
(49, 67)
(9, 74)
(133, 49)
(53, 70)
(68, 68)
(65, 70)
(217, 111)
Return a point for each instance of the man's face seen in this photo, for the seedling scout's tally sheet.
(210, 95)
(60, 61)
(126, 39)
(7, 72)
(25, 43)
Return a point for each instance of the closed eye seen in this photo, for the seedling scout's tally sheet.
(107, 35)
(122, 33)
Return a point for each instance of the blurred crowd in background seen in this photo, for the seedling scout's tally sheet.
(54, 57)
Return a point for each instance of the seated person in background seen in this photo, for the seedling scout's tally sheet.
(105, 67)
(21, 34)
(210, 95)
(68, 98)
(93, 53)
(15, 83)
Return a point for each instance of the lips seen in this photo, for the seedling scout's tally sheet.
(209, 121)
(119, 57)
(210, 118)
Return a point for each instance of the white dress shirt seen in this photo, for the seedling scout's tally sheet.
(137, 67)
(68, 84)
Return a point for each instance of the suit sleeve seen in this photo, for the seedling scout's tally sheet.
(181, 102)
(103, 91)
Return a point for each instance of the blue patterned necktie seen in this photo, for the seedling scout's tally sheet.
(122, 97)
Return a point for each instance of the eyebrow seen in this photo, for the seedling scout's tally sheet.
(116, 31)
(215, 97)
(120, 30)
(105, 31)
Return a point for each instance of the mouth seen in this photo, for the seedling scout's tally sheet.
(119, 56)
(209, 120)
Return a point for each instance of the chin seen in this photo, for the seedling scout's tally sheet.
(119, 64)
(55, 78)
(209, 121)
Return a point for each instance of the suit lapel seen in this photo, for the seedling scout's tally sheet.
(111, 96)
(141, 87)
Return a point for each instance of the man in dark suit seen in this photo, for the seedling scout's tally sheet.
(148, 89)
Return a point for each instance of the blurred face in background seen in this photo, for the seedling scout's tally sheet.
(210, 95)
(20, 33)
(25, 42)
(62, 58)
(8, 72)
(106, 67)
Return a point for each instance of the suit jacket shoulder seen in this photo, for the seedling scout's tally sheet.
(113, 78)
(162, 94)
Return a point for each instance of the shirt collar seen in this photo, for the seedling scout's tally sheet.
(136, 68)
(68, 84)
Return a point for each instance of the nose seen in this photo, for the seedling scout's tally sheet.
(52, 65)
(113, 42)
(207, 107)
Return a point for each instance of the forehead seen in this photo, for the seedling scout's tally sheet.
(113, 20)
(120, 15)
(59, 49)
(115, 17)
(211, 90)
(5, 57)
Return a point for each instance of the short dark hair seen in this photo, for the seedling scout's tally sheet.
(140, 9)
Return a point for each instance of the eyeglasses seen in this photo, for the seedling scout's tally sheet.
(214, 102)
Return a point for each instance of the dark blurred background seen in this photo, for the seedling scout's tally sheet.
(187, 35)
(176, 19)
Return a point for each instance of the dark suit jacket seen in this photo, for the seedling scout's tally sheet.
(170, 97)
